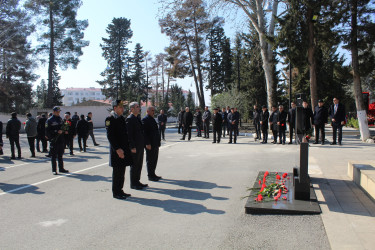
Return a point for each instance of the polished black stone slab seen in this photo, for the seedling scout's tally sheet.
(289, 206)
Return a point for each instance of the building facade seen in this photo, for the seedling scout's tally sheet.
(76, 95)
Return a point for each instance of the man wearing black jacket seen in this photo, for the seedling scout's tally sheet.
(308, 117)
(206, 118)
(256, 122)
(82, 129)
(187, 122)
(152, 143)
(273, 123)
(180, 116)
(264, 116)
(292, 121)
(224, 125)
(281, 124)
(217, 120)
(233, 119)
(198, 122)
(1, 138)
(162, 120)
(13, 133)
(91, 128)
(70, 133)
(41, 131)
(337, 114)
(136, 145)
(320, 120)
(120, 155)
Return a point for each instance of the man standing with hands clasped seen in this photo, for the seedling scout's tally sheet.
(206, 118)
(136, 144)
(120, 155)
(162, 120)
(320, 120)
(152, 142)
(337, 114)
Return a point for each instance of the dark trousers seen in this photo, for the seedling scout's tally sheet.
(336, 127)
(233, 131)
(291, 132)
(218, 133)
(82, 138)
(161, 131)
(31, 141)
(16, 141)
(180, 128)
(320, 128)
(206, 128)
(91, 133)
(38, 144)
(69, 142)
(282, 136)
(224, 127)
(257, 130)
(265, 135)
(118, 178)
(152, 160)
(199, 129)
(56, 152)
(187, 129)
(274, 133)
(136, 168)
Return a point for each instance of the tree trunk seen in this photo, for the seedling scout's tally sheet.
(51, 63)
(311, 59)
(361, 111)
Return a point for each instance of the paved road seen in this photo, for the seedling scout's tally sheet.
(197, 204)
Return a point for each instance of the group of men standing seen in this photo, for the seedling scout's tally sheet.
(223, 121)
(279, 118)
(128, 138)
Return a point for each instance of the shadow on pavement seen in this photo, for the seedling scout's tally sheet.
(174, 206)
(23, 189)
(193, 184)
(185, 194)
(90, 178)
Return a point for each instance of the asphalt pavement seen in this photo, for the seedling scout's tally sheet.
(197, 205)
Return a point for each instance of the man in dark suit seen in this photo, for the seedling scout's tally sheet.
(320, 120)
(136, 145)
(162, 120)
(273, 123)
(256, 122)
(206, 118)
(217, 120)
(233, 118)
(1, 138)
(281, 124)
(13, 133)
(264, 116)
(337, 114)
(198, 122)
(187, 123)
(292, 121)
(308, 115)
(224, 125)
(41, 131)
(180, 115)
(120, 155)
(152, 142)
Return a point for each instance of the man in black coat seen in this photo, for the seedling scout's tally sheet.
(256, 122)
(281, 124)
(233, 119)
(120, 155)
(264, 116)
(180, 116)
(1, 138)
(41, 131)
(162, 120)
(136, 144)
(187, 122)
(198, 122)
(217, 120)
(206, 118)
(273, 123)
(70, 133)
(152, 143)
(224, 125)
(82, 129)
(320, 120)
(308, 115)
(91, 128)
(337, 114)
(292, 121)
(13, 133)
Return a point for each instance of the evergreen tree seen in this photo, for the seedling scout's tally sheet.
(41, 95)
(116, 83)
(190, 101)
(138, 75)
(63, 35)
(177, 99)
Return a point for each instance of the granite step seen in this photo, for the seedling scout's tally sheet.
(363, 174)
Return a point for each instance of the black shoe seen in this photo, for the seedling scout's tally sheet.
(33, 156)
(218, 141)
(182, 139)
(48, 155)
(322, 143)
(138, 187)
(143, 185)
(84, 150)
(283, 143)
(13, 157)
(235, 142)
(340, 143)
(154, 178)
(290, 142)
(229, 142)
(316, 142)
(45, 151)
(256, 138)
(38, 150)
(333, 143)
(279, 143)
(96, 144)
(71, 153)
(120, 196)
(87, 146)
(63, 171)
(19, 157)
(214, 142)
(54, 173)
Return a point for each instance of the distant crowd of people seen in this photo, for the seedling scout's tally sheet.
(56, 131)
(226, 122)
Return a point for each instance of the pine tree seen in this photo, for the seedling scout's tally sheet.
(63, 35)
(41, 95)
(190, 101)
(138, 76)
